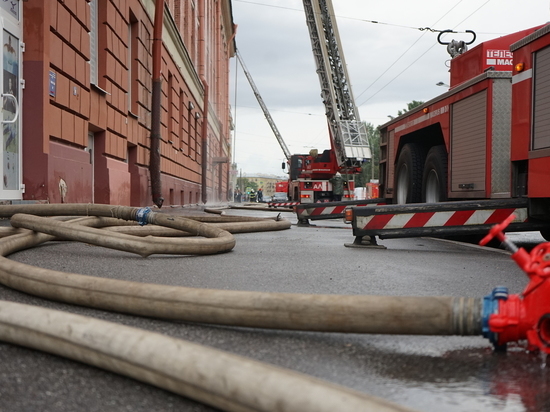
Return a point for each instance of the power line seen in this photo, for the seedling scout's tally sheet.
(474, 12)
(283, 111)
(405, 52)
(418, 58)
(399, 74)
(423, 29)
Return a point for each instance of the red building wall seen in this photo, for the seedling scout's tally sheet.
(59, 163)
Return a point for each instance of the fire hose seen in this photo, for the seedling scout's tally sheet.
(223, 380)
(226, 381)
(330, 313)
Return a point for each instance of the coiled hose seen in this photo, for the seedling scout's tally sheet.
(230, 382)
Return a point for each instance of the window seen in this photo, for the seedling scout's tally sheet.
(182, 129)
(133, 64)
(170, 107)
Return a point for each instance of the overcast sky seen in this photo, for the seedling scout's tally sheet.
(390, 63)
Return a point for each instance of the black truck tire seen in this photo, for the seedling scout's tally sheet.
(408, 174)
(434, 178)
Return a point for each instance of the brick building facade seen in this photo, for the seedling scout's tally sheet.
(85, 114)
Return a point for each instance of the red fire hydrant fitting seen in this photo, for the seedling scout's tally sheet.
(512, 318)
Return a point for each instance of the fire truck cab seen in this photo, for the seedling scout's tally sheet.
(310, 177)
(530, 143)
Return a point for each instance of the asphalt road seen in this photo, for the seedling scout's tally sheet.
(426, 373)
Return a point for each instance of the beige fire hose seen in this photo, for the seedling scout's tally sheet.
(331, 313)
(216, 240)
(211, 376)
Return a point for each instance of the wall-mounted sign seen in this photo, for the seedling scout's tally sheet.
(11, 6)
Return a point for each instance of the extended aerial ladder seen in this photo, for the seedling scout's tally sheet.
(349, 139)
(348, 133)
(264, 108)
(309, 174)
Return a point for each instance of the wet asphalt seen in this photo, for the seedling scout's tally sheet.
(426, 373)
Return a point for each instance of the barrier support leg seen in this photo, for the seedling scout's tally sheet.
(368, 242)
(303, 222)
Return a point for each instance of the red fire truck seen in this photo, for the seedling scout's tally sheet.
(474, 154)
(281, 186)
(309, 177)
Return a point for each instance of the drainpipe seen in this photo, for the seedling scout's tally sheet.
(202, 74)
(154, 159)
(230, 183)
(204, 132)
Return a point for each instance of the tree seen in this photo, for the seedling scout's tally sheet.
(410, 106)
(243, 183)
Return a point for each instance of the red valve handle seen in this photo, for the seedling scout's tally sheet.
(497, 231)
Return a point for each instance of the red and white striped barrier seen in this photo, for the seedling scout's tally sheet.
(282, 204)
(439, 219)
(332, 210)
(311, 212)
(306, 213)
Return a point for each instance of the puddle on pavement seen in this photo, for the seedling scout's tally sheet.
(474, 379)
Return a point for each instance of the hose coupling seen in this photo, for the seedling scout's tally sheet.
(143, 216)
(490, 307)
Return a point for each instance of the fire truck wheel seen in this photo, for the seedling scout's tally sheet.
(434, 179)
(408, 174)
(545, 233)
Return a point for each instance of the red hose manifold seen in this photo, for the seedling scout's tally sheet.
(526, 316)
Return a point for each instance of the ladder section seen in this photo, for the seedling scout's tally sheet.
(348, 134)
(264, 108)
